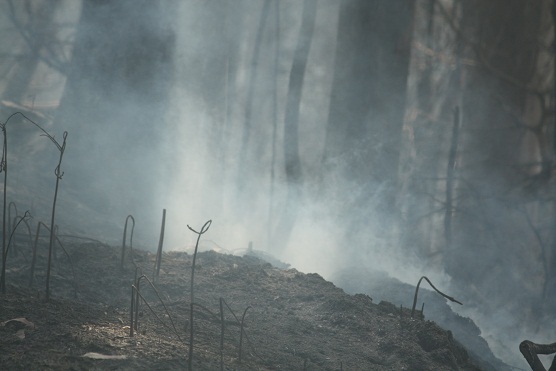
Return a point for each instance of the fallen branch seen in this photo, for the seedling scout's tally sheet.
(531, 351)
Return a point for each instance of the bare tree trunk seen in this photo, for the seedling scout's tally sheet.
(116, 104)
(291, 124)
(274, 121)
(367, 105)
(244, 159)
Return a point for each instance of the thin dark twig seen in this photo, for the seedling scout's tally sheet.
(130, 241)
(5, 253)
(241, 331)
(59, 175)
(159, 298)
(437, 290)
(160, 243)
(33, 261)
(156, 315)
(133, 288)
(10, 218)
(205, 228)
(30, 235)
(34, 258)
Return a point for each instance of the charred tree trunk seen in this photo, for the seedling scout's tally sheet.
(244, 158)
(115, 103)
(291, 124)
(367, 107)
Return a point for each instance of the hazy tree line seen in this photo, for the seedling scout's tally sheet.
(428, 124)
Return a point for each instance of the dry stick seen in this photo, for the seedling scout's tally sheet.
(10, 220)
(34, 258)
(205, 228)
(57, 172)
(160, 243)
(133, 288)
(70, 261)
(39, 224)
(5, 255)
(241, 331)
(54, 250)
(29, 234)
(59, 175)
(240, 325)
(156, 315)
(137, 286)
(531, 351)
(130, 241)
(437, 290)
(4, 168)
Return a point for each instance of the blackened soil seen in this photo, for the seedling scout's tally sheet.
(293, 321)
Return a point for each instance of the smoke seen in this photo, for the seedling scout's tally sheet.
(155, 99)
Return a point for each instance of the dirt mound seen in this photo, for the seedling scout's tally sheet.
(293, 321)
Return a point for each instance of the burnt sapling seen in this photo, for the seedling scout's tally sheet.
(34, 258)
(437, 290)
(160, 243)
(134, 312)
(59, 175)
(10, 230)
(205, 228)
(130, 241)
(241, 323)
(241, 332)
(5, 252)
(57, 172)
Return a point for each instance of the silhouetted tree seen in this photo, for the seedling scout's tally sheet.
(367, 105)
(116, 99)
(291, 126)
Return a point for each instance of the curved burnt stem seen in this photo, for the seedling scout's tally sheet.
(437, 290)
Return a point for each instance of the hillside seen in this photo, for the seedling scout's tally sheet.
(294, 321)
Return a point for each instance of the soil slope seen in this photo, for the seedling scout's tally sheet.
(295, 321)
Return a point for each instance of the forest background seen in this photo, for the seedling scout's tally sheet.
(413, 137)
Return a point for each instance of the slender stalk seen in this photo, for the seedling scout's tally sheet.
(136, 289)
(5, 254)
(130, 240)
(61, 245)
(160, 243)
(59, 175)
(10, 219)
(241, 331)
(34, 259)
(205, 228)
(131, 310)
(4, 168)
(437, 290)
